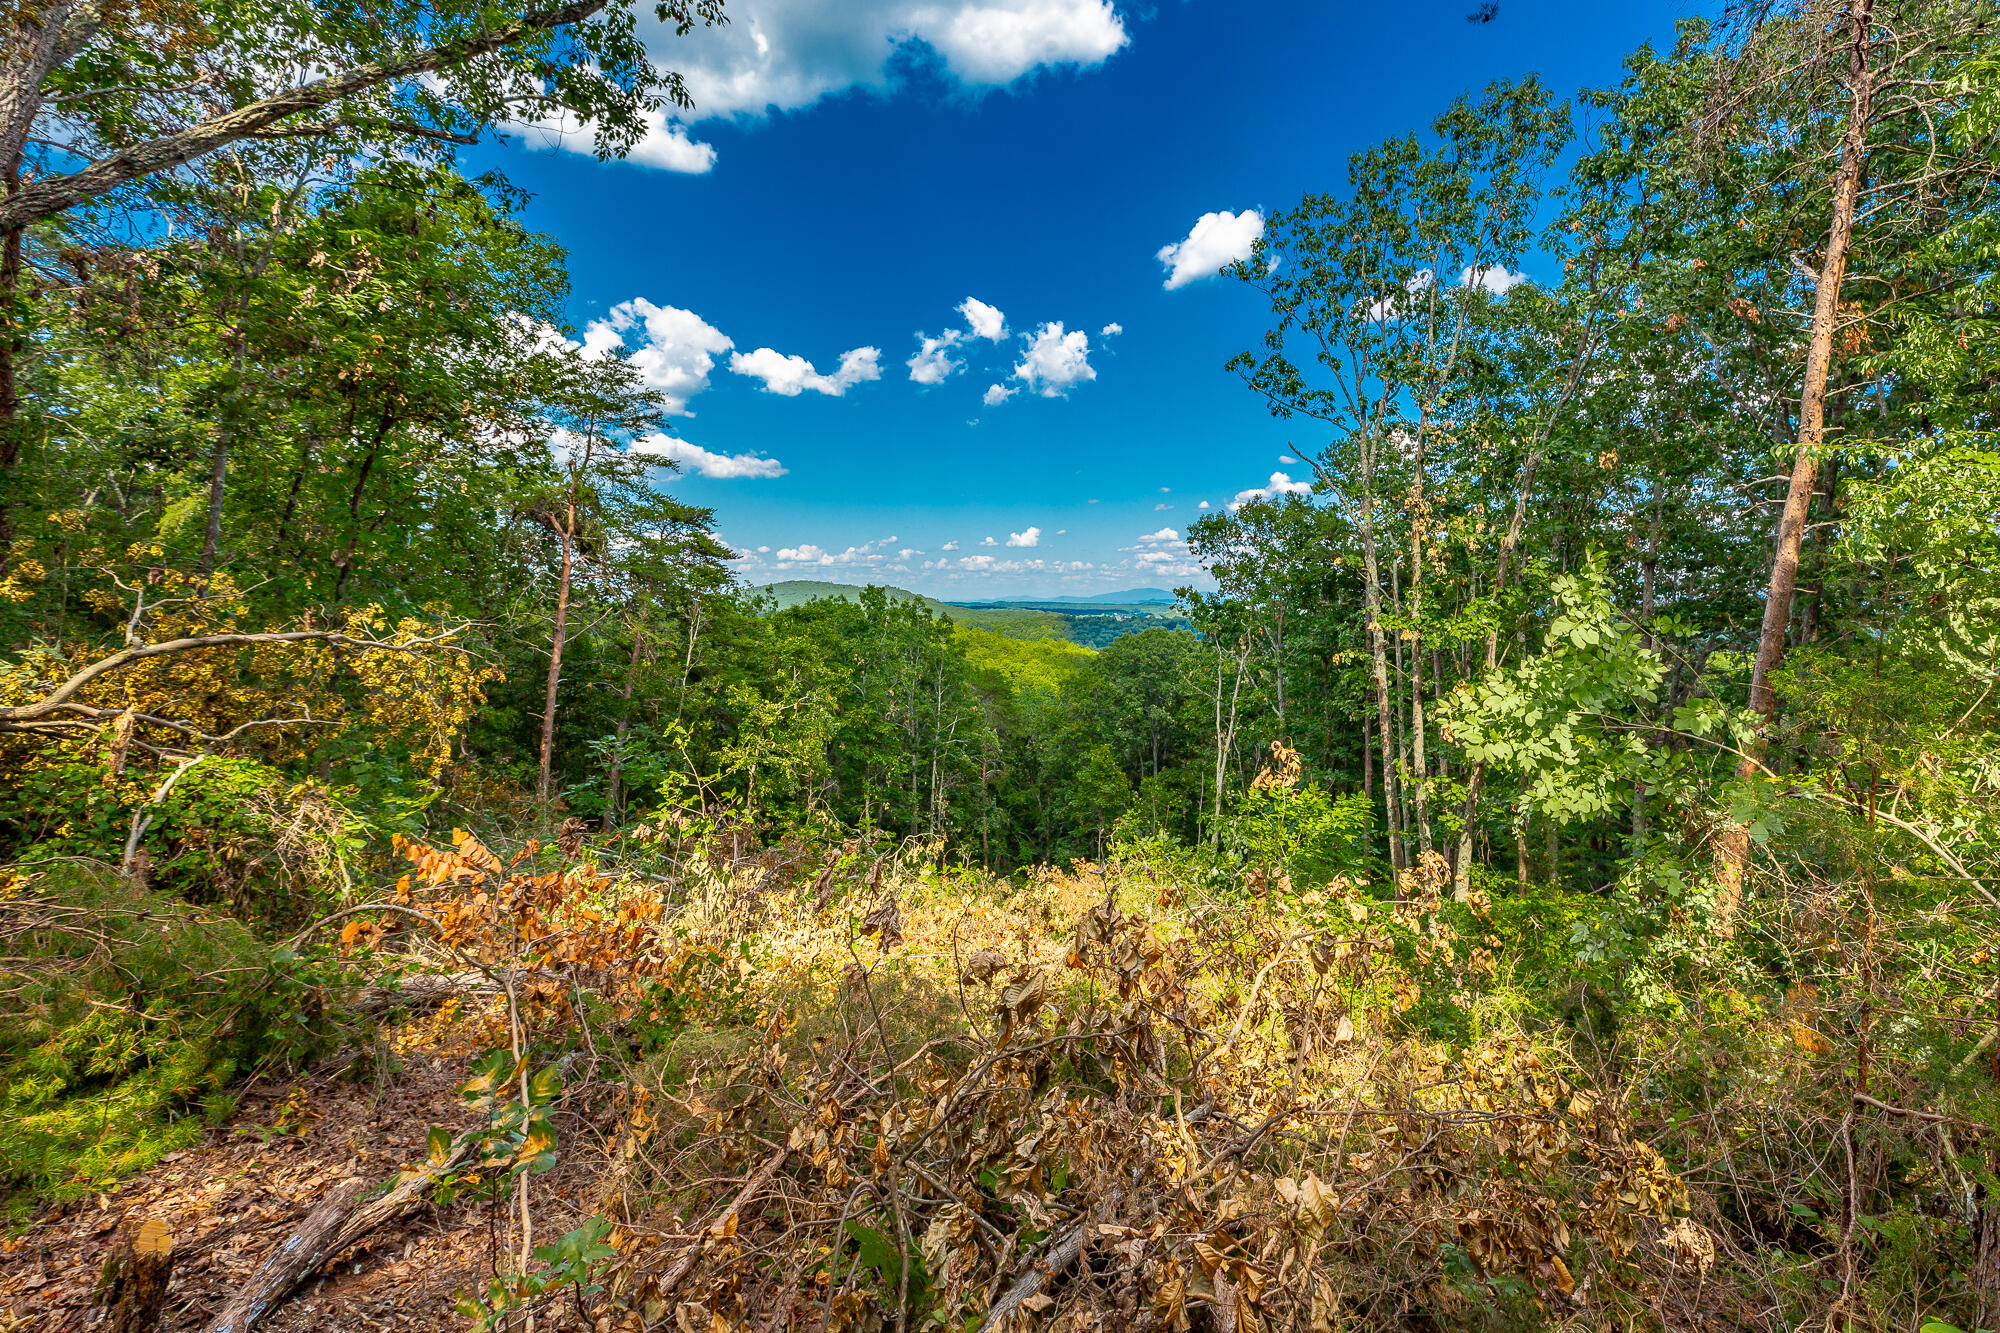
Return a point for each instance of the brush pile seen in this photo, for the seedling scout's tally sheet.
(1099, 1101)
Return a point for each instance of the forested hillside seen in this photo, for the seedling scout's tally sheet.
(1542, 878)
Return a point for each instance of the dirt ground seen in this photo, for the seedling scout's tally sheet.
(252, 1180)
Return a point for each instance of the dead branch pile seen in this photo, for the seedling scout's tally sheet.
(1078, 1110)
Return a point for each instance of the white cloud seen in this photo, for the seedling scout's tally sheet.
(676, 348)
(786, 54)
(997, 394)
(1032, 537)
(1287, 458)
(1055, 362)
(907, 552)
(1280, 484)
(933, 363)
(1202, 505)
(949, 546)
(1216, 241)
(663, 143)
(793, 375)
(708, 464)
(1164, 535)
(1161, 505)
(1062, 532)
(988, 541)
(1496, 279)
(984, 320)
(986, 564)
(887, 541)
(1111, 330)
(808, 554)
(763, 550)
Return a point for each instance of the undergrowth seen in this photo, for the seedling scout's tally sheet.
(126, 1019)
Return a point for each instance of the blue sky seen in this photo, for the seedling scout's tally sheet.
(856, 170)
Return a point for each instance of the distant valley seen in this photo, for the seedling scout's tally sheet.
(1089, 621)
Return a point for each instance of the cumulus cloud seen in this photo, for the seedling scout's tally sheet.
(1287, 458)
(663, 143)
(949, 546)
(1164, 535)
(907, 552)
(672, 349)
(793, 375)
(997, 394)
(1216, 241)
(987, 565)
(1495, 279)
(1202, 505)
(1279, 485)
(984, 320)
(808, 554)
(1161, 505)
(697, 459)
(934, 363)
(786, 54)
(1111, 330)
(1032, 537)
(1055, 361)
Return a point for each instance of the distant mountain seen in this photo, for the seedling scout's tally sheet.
(1129, 597)
(1011, 622)
(797, 592)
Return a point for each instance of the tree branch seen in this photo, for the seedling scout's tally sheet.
(52, 194)
(58, 700)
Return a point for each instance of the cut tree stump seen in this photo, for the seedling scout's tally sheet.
(132, 1289)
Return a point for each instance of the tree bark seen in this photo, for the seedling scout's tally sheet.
(218, 476)
(339, 1221)
(545, 783)
(1734, 859)
(40, 39)
(132, 1289)
(1378, 652)
(294, 1257)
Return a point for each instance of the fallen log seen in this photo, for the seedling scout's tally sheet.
(341, 1219)
(287, 1265)
(421, 993)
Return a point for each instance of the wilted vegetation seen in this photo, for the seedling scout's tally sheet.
(1552, 884)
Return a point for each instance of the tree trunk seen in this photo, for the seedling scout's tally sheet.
(218, 476)
(1734, 859)
(1378, 652)
(611, 793)
(1419, 770)
(40, 38)
(132, 1289)
(544, 785)
(12, 340)
(1986, 1266)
